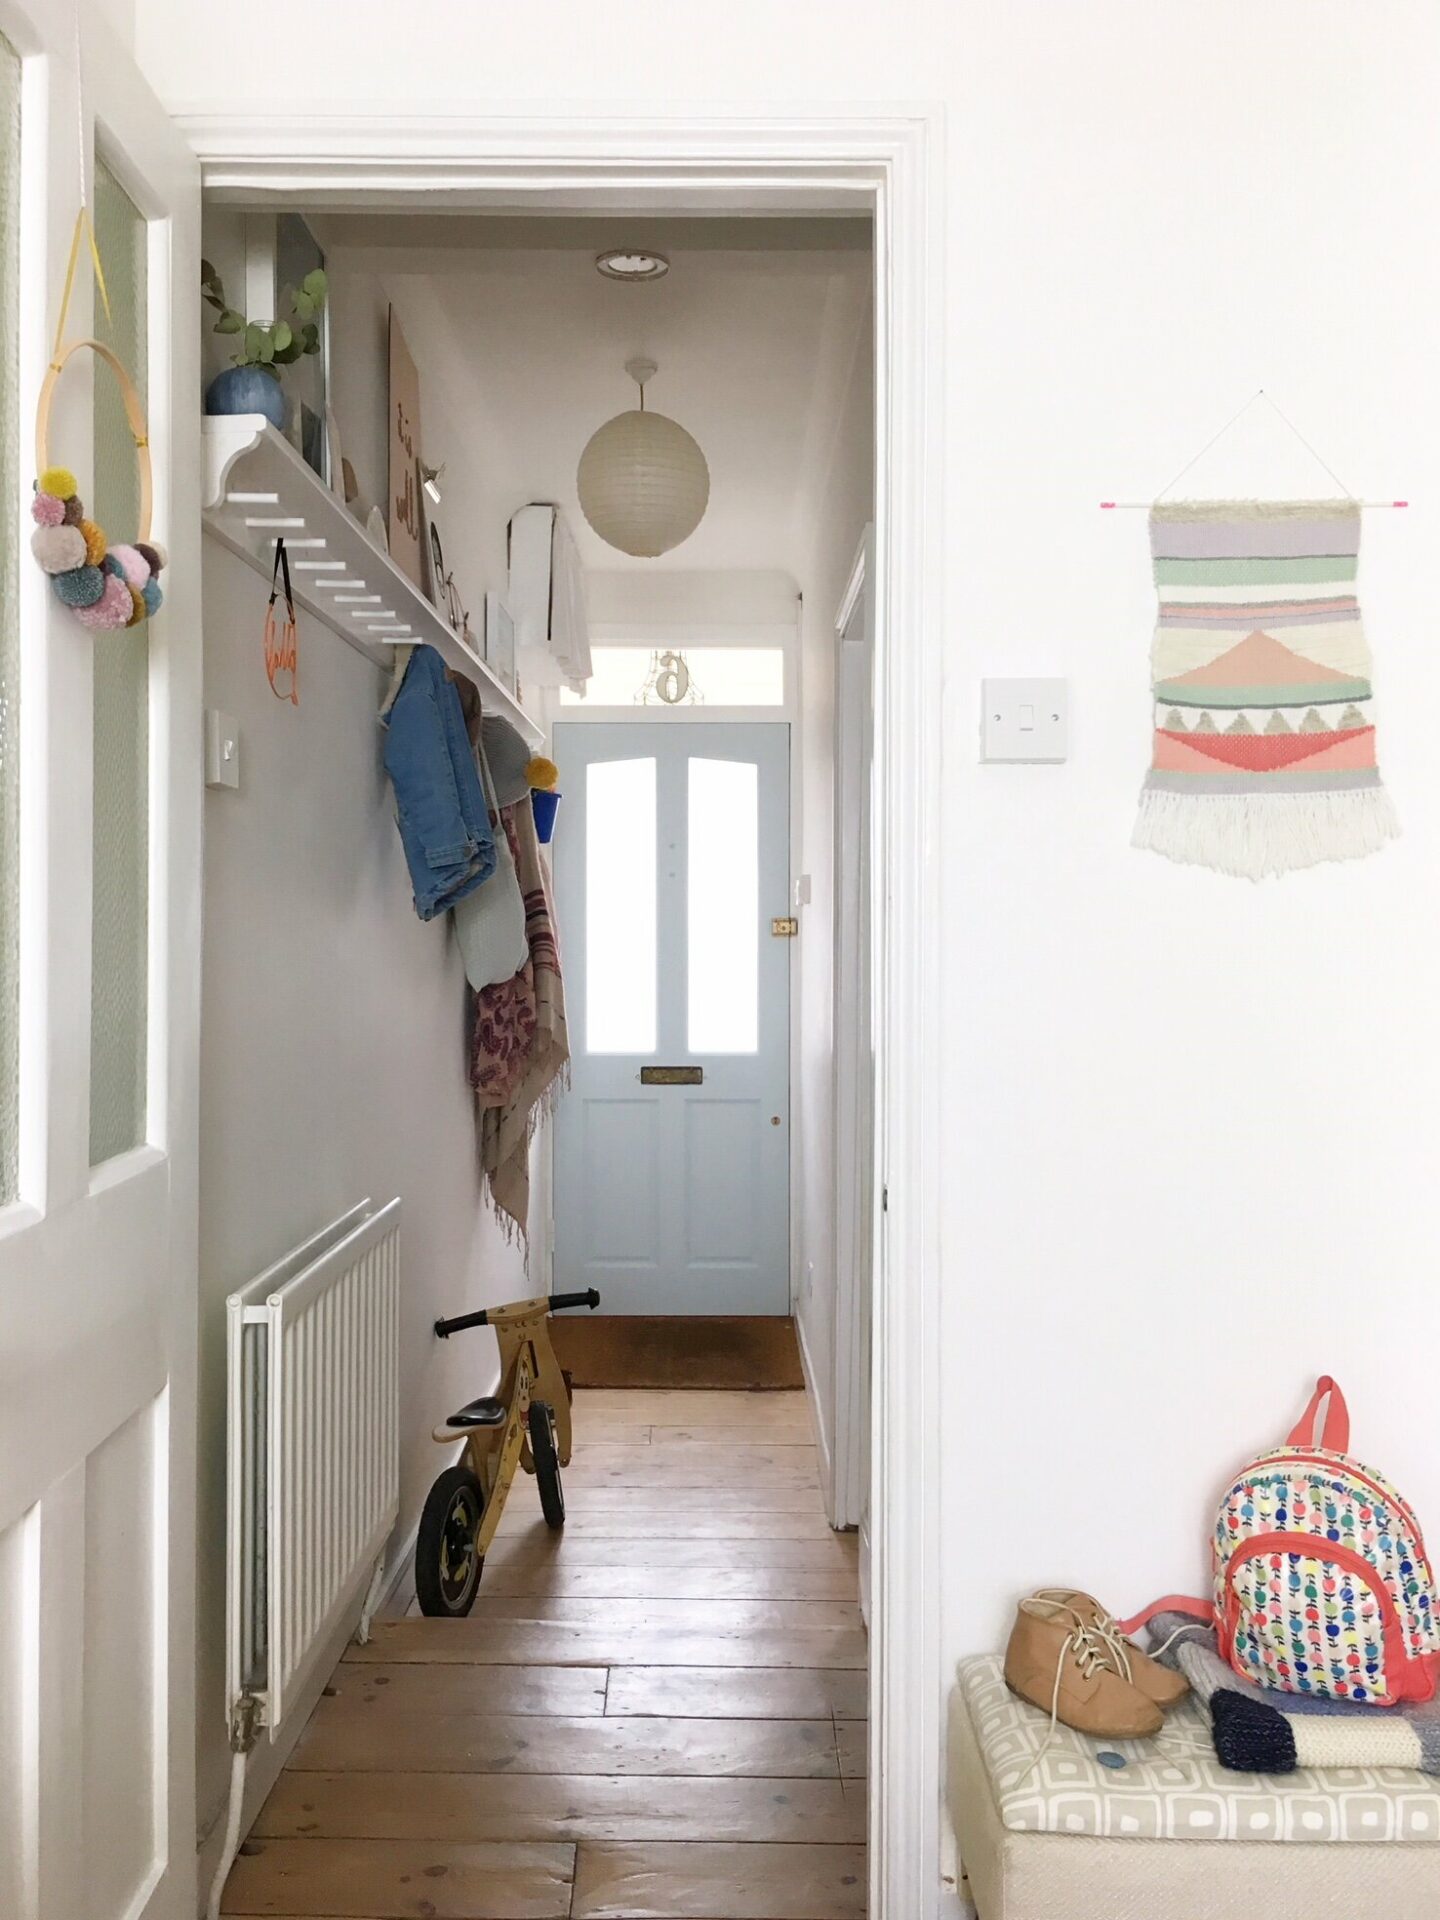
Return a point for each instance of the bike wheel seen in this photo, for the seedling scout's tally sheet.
(547, 1463)
(447, 1566)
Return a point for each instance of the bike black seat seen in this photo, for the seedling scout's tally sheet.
(485, 1412)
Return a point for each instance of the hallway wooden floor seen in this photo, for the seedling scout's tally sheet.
(656, 1715)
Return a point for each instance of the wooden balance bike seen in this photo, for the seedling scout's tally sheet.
(526, 1424)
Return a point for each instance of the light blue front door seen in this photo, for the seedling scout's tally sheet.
(672, 1148)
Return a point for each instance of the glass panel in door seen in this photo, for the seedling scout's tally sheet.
(9, 623)
(621, 987)
(120, 924)
(723, 885)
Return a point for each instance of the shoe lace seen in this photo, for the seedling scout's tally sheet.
(1093, 1651)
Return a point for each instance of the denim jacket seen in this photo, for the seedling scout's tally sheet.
(439, 802)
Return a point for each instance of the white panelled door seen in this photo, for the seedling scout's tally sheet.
(100, 798)
(672, 1186)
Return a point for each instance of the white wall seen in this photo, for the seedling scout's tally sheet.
(1190, 1125)
(334, 1056)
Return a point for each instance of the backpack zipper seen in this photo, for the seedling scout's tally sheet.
(1389, 1499)
(1398, 1665)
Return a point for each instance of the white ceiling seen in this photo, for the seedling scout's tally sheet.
(754, 344)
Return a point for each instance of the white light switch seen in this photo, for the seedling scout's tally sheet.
(222, 749)
(1025, 719)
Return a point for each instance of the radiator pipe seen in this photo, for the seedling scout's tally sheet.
(244, 1724)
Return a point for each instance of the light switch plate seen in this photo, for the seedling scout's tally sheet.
(1025, 719)
(222, 749)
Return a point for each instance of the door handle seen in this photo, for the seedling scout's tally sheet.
(672, 1076)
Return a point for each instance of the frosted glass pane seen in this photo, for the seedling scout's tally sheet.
(120, 900)
(620, 974)
(724, 906)
(720, 677)
(9, 623)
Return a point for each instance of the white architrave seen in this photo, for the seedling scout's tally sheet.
(781, 162)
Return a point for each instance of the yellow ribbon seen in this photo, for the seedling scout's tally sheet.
(83, 225)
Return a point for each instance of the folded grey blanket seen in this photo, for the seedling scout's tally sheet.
(1260, 1731)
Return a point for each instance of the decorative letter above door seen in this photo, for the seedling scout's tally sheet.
(1264, 750)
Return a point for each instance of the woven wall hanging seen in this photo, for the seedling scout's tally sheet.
(1264, 748)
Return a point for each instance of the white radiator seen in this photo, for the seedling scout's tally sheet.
(313, 1451)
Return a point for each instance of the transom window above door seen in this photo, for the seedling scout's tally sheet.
(682, 677)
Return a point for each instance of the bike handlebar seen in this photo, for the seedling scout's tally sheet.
(557, 1303)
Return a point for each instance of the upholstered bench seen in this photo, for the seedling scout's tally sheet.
(1171, 1835)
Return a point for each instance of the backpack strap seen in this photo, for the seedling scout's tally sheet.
(1201, 1610)
(1334, 1436)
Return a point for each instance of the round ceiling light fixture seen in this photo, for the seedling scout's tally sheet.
(642, 479)
(631, 263)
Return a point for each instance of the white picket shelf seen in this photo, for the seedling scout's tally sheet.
(257, 488)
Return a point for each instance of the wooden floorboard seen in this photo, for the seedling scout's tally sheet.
(597, 1806)
(386, 1879)
(656, 1714)
(674, 1880)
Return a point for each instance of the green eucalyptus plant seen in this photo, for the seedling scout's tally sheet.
(281, 342)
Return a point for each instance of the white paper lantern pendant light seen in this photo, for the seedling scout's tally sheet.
(643, 481)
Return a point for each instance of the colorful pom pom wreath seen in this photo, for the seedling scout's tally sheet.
(81, 587)
(132, 564)
(58, 549)
(106, 587)
(111, 611)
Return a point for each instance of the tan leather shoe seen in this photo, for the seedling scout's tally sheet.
(1161, 1684)
(1057, 1662)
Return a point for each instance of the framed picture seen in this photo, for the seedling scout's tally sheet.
(404, 514)
(500, 640)
(279, 251)
(298, 252)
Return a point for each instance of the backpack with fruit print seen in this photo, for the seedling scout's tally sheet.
(1322, 1584)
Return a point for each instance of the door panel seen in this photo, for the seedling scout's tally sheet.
(98, 1197)
(674, 857)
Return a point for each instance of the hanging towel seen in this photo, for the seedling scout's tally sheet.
(546, 598)
(520, 1047)
(1264, 746)
(490, 921)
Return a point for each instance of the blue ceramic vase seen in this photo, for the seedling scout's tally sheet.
(247, 390)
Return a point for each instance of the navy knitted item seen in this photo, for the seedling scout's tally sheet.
(1249, 1737)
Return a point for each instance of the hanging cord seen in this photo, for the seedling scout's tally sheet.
(282, 655)
(84, 225)
(1285, 420)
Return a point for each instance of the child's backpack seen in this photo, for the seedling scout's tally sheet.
(1322, 1584)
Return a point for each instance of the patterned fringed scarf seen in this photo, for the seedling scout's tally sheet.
(1264, 755)
(519, 1048)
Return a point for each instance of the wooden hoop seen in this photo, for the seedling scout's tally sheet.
(134, 414)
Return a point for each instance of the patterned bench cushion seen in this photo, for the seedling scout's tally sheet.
(1173, 1787)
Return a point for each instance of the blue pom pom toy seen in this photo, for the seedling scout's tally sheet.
(80, 587)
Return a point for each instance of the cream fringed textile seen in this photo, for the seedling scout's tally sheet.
(1264, 745)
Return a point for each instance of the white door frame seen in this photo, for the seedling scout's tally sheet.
(854, 1172)
(733, 158)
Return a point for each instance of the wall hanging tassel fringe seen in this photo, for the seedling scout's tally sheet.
(1264, 750)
